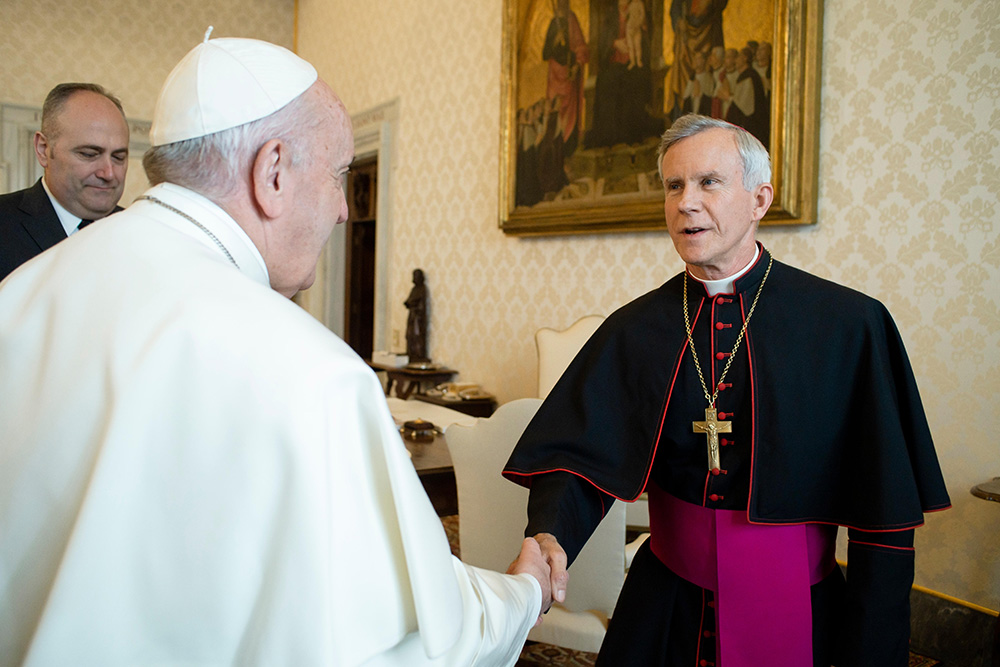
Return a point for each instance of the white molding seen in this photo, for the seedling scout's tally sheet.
(17, 129)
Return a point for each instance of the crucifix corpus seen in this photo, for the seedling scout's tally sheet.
(712, 427)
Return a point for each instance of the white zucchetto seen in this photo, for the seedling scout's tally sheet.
(224, 83)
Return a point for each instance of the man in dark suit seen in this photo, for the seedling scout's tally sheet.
(83, 147)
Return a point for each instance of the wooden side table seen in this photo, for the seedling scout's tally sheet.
(476, 407)
(414, 378)
(987, 490)
(437, 475)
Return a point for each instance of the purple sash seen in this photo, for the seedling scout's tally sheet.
(760, 574)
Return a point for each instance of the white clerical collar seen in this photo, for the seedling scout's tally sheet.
(725, 285)
(214, 219)
(70, 222)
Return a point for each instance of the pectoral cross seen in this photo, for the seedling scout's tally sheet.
(712, 427)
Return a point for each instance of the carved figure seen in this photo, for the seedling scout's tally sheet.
(416, 321)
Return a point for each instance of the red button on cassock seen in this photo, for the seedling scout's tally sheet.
(720, 326)
(720, 355)
(715, 497)
(723, 442)
(715, 471)
(721, 415)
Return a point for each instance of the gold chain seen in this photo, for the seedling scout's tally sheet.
(739, 339)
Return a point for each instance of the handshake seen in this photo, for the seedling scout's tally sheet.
(543, 558)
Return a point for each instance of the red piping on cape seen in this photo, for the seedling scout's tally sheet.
(666, 402)
(511, 474)
(656, 441)
(884, 546)
(938, 509)
(753, 410)
(804, 522)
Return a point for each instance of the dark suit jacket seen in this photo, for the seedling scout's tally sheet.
(28, 225)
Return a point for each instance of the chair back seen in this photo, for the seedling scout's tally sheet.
(556, 349)
(493, 511)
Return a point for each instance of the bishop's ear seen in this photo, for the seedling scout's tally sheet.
(762, 198)
(271, 176)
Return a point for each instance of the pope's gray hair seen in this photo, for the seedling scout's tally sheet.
(218, 164)
(756, 161)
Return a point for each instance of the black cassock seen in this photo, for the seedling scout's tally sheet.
(827, 427)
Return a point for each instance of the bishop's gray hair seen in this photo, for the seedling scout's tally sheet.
(217, 164)
(756, 161)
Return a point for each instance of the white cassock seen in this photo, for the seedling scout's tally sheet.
(195, 471)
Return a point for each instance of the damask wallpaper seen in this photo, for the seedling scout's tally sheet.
(128, 46)
(908, 212)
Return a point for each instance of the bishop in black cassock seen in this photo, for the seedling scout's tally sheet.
(826, 429)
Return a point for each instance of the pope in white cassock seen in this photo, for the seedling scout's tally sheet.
(192, 469)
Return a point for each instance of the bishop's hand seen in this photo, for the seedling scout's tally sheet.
(555, 558)
(530, 561)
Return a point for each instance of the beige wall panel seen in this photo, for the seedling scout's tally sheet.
(129, 46)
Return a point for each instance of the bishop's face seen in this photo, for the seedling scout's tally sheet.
(711, 217)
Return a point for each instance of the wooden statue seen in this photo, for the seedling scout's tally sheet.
(416, 321)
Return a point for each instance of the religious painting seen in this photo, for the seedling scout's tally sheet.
(589, 86)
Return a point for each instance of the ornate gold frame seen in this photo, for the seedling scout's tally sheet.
(794, 137)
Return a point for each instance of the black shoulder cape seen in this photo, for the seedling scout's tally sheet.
(839, 432)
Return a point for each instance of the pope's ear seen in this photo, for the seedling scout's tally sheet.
(270, 178)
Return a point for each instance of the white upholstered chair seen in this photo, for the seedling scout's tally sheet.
(492, 515)
(556, 349)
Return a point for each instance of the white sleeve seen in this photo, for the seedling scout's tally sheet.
(499, 609)
(498, 612)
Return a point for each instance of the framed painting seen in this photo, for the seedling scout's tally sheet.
(589, 86)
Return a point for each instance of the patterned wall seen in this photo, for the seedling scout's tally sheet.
(129, 46)
(908, 212)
